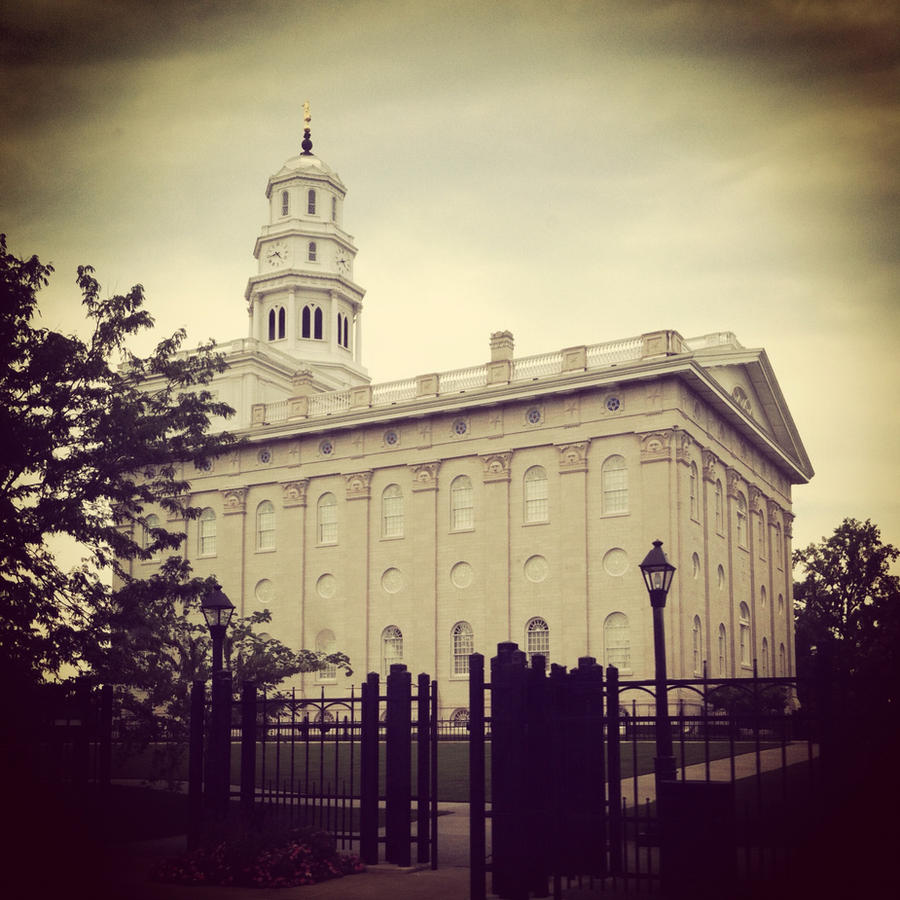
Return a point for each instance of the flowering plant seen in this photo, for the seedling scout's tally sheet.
(286, 859)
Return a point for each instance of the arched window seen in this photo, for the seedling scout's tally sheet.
(147, 538)
(462, 504)
(346, 333)
(536, 504)
(311, 203)
(311, 251)
(763, 597)
(781, 604)
(392, 511)
(326, 515)
(304, 320)
(719, 507)
(765, 658)
(340, 329)
(325, 643)
(537, 639)
(463, 645)
(617, 641)
(693, 490)
(334, 209)
(745, 634)
(614, 482)
(271, 324)
(697, 645)
(285, 203)
(265, 526)
(741, 517)
(391, 648)
(723, 652)
(782, 660)
(317, 324)
(778, 546)
(460, 717)
(207, 539)
(281, 322)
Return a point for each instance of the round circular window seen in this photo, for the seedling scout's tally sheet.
(461, 575)
(264, 591)
(613, 403)
(264, 456)
(326, 447)
(460, 426)
(533, 416)
(391, 437)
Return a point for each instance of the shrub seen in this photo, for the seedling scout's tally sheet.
(281, 859)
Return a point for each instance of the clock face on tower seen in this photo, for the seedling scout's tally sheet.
(276, 254)
(343, 262)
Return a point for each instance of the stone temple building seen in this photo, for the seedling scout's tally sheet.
(420, 519)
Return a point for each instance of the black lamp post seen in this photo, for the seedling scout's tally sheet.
(658, 573)
(217, 610)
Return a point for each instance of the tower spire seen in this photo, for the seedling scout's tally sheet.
(307, 141)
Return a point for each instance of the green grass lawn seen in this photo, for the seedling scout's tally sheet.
(335, 767)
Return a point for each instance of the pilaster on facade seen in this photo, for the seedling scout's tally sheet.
(358, 484)
(294, 492)
(656, 446)
(573, 457)
(683, 447)
(234, 500)
(496, 466)
(425, 475)
(733, 482)
(710, 460)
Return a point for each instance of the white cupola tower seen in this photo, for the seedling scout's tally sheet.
(303, 301)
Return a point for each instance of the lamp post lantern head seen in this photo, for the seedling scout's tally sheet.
(658, 573)
(217, 609)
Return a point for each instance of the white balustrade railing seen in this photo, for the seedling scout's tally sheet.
(329, 403)
(393, 392)
(599, 355)
(462, 379)
(536, 366)
(528, 367)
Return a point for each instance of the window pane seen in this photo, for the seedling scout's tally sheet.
(463, 645)
(265, 526)
(328, 532)
(392, 511)
(536, 495)
(617, 640)
(462, 504)
(614, 477)
(391, 648)
(207, 533)
(537, 639)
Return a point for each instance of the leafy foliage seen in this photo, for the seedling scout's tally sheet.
(847, 609)
(749, 699)
(95, 439)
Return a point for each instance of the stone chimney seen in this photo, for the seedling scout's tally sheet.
(502, 346)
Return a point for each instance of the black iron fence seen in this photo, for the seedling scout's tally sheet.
(343, 764)
(574, 799)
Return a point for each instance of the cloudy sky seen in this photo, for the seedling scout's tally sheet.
(574, 172)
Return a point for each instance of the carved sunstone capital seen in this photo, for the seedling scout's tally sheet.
(573, 456)
(757, 501)
(656, 445)
(734, 482)
(234, 500)
(773, 510)
(293, 493)
(709, 465)
(496, 466)
(683, 446)
(788, 524)
(425, 475)
(358, 485)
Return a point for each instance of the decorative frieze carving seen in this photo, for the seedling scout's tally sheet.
(234, 500)
(709, 465)
(683, 445)
(294, 492)
(496, 466)
(788, 524)
(656, 445)
(773, 510)
(734, 482)
(425, 475)
(573, 457)
(358, 485)
(757, 501)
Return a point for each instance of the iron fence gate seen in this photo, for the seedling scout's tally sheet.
(342, 764)
(573, 798)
